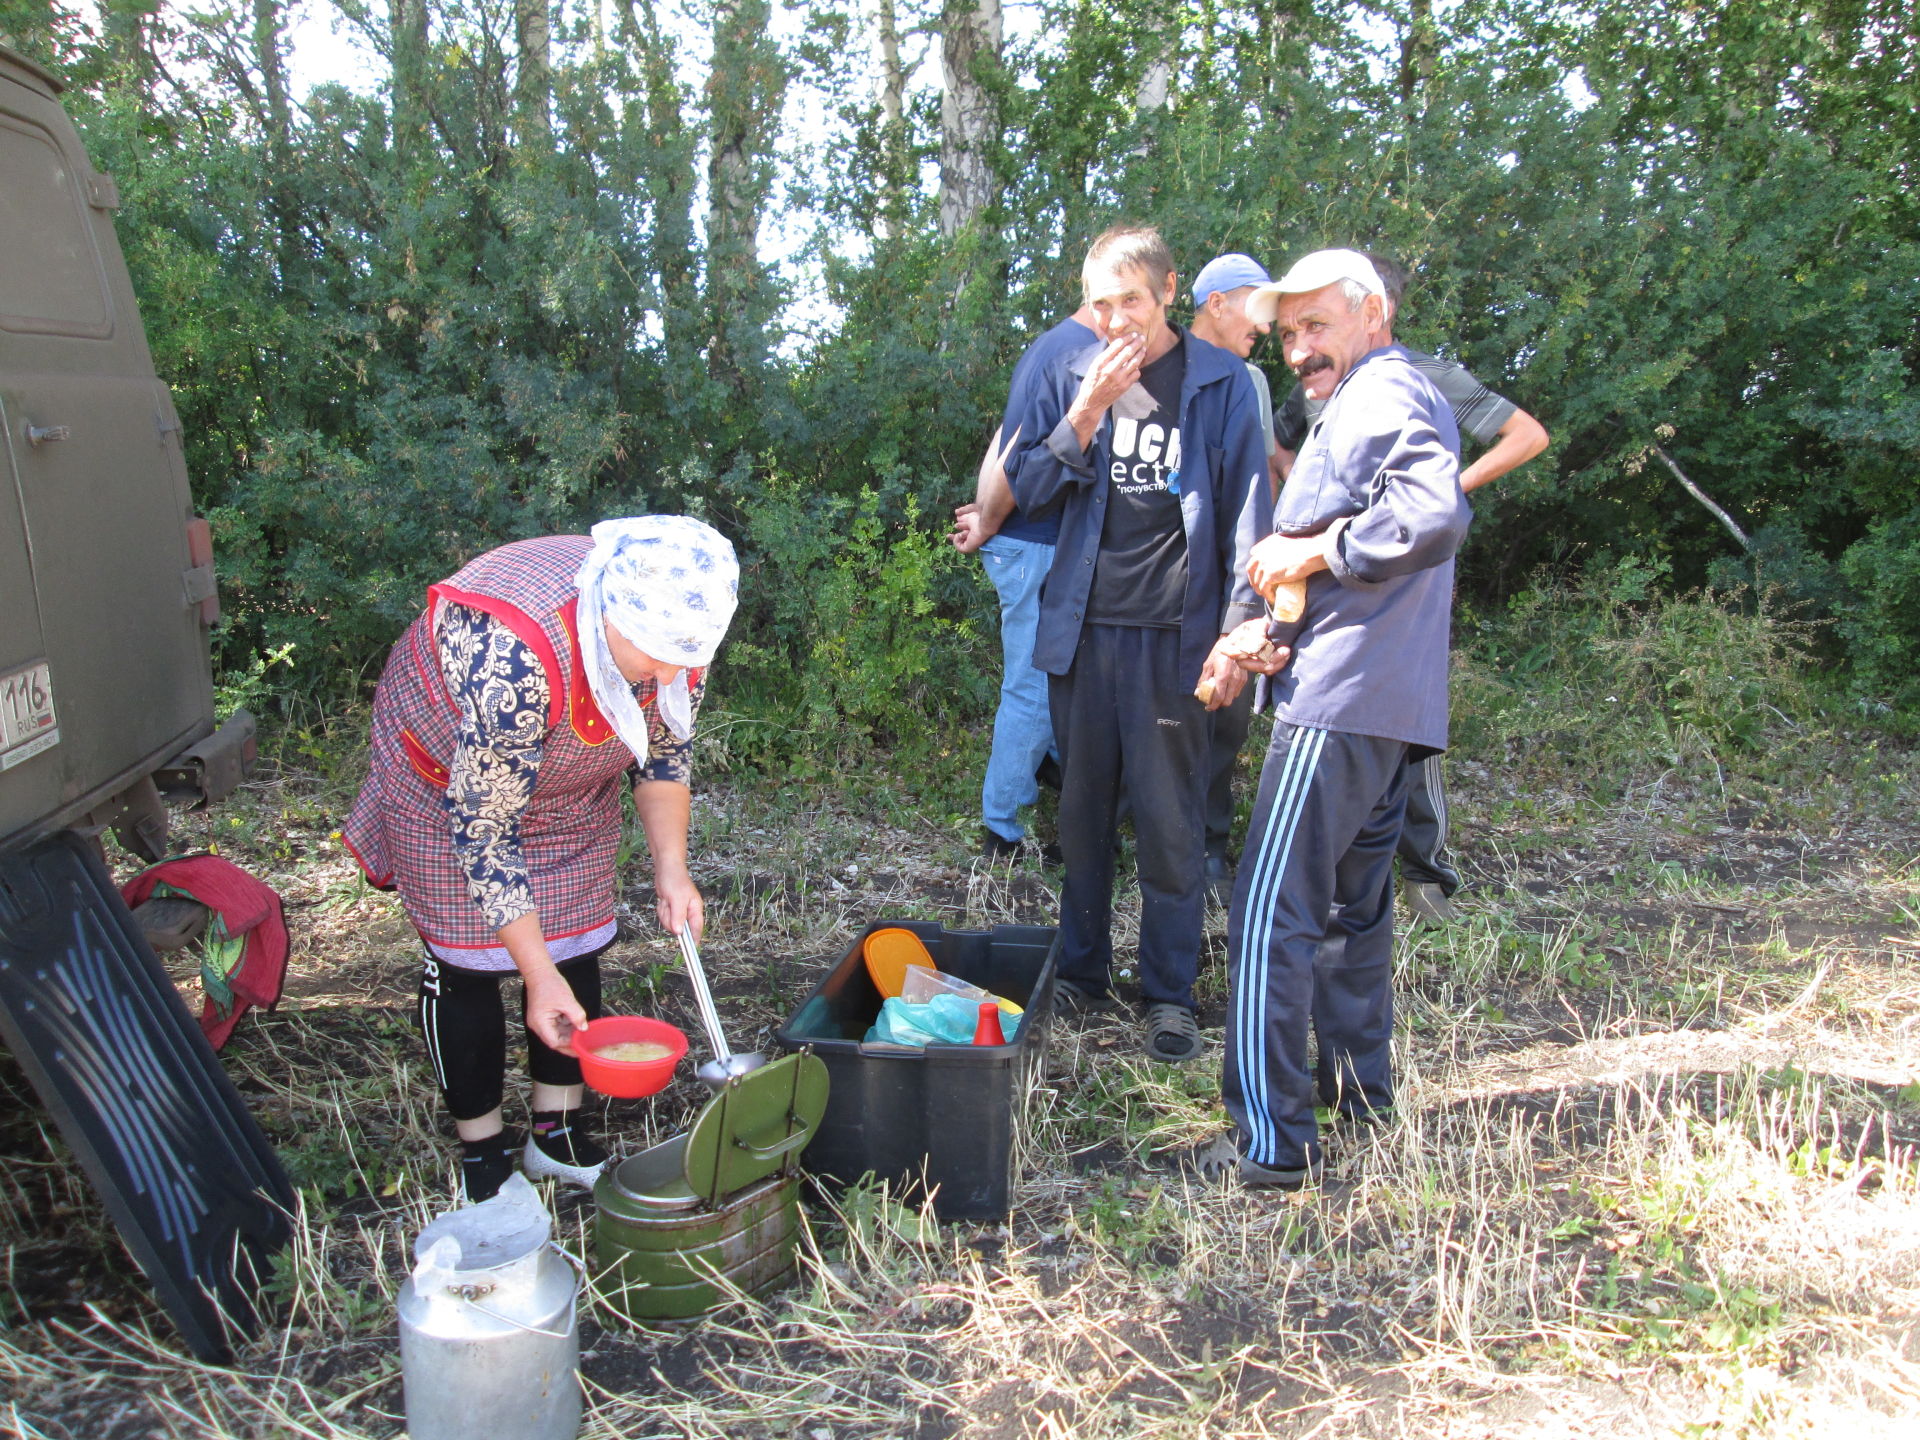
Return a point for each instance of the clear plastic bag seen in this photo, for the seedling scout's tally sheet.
(921, 985)
(946, 1019)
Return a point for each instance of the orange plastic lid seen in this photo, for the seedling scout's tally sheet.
(889, 952)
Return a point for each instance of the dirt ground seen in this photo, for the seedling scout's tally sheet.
(1652, 1173)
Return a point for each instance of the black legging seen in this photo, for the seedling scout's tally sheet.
(465, 1025)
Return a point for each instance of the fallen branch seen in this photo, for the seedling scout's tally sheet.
(1705, 499)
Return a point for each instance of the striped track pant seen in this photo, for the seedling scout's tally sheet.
(1310, 940)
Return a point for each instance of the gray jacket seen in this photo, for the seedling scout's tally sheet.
(1379, 480)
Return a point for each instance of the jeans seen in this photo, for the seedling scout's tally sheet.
(1022, 732)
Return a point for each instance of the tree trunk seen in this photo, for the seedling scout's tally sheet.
(670, 182)
(407, 32)
(892, 200)
(969, 45)
(1282, 33)
(1156, 79)
(744, 89)
(533, 80)
(270, 58)
(127, 28)
(1417, 53)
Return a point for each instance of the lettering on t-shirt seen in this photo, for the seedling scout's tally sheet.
(1145, 456)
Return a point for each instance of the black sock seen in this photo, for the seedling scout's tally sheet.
(486, 1165)
(561, 1135)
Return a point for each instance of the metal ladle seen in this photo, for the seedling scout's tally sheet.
(725, 1064)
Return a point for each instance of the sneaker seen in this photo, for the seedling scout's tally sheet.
(996, 847)
(486, 1165)
(1219, 881)
(1220, 1157)
(1427, 904)
(1173, 1034)
(560, 1149)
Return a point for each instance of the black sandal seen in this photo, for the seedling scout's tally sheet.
(1072, 997)
(1173, 1034)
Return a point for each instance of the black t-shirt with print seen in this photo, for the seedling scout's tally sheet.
(1140, 577)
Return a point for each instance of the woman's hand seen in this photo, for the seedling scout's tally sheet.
(552, 1012)
(665, 807)
(677, 901)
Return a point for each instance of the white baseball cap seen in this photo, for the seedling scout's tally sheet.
(1315, 272)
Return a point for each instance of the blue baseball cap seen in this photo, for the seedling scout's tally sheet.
(1228, 272)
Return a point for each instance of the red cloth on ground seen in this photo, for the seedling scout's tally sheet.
(247, 907)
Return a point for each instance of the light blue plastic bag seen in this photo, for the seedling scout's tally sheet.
(943, 1020)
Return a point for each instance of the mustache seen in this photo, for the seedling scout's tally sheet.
(1313, 367)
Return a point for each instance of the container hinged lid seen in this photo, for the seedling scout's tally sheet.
(758, 1124)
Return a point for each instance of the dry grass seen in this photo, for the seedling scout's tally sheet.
(1653, 1172)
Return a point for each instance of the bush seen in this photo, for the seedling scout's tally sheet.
(1613, 678)
(1882, 630)
(849, 630)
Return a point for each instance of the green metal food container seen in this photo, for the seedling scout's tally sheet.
(680, 1228)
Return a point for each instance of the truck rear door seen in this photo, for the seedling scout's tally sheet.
(96, 577)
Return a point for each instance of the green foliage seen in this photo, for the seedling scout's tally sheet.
(1883, 630)
(1611, 676)
(406, 326)
(853, 641)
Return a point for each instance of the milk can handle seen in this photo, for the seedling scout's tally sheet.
(573, 1305)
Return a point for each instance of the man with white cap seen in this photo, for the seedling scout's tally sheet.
(1369, 519)
(1220, 294)
(1511, 437)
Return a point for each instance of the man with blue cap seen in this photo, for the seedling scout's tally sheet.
(1220, 294)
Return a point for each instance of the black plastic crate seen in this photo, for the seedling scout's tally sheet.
(948, 1118)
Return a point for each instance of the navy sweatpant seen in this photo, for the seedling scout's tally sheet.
(1423, 838)
(1121, 716)
(1310, 940)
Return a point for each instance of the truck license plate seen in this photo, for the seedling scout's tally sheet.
(27, 721)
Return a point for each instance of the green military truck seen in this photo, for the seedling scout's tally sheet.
(106, 576)
(106, 705)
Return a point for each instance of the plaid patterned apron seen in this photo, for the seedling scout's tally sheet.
(570, 832)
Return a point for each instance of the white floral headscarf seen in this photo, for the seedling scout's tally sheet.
(669, 584)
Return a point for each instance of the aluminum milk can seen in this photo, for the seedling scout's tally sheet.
(489, 1334)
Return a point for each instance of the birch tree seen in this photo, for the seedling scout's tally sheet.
(744, 92)
(407, 38)
(970, 41)
(533, 78)
(893, 121)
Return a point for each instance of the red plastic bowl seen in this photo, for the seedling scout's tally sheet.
(628, 1079)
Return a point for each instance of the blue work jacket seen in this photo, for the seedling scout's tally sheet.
(1225, 505)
